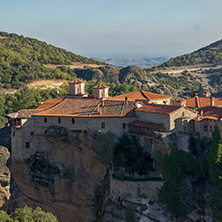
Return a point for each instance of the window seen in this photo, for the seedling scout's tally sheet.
(205, 128)
(45, 120)
(31, 133)
(103, 125)
(183, 114)
(73, 121)
(13, 133)
(59, 120)
(210, 128)
(124, 126)
(27, 145)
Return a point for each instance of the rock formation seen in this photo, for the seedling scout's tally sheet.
(5, 176)
(62, 178)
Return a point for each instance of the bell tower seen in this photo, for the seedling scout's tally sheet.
(77, 89)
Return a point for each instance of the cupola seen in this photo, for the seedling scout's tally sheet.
(101, 91)
(77, 89)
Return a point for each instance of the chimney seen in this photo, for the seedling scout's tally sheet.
(206, 94)
(212, 103)
(126, 100)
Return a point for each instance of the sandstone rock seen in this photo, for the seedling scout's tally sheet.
(63, 178)
(5, 176)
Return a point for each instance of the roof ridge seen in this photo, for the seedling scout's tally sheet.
(144, 95)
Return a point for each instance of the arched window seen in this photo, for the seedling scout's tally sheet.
(45, 120)
(59, 120)
(205, 128)
(103, 125)
(73, 121)
(124, 126)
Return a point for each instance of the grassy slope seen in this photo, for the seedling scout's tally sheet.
(23, 60)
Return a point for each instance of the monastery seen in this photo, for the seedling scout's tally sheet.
(138, 113)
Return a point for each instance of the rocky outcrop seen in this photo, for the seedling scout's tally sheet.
(132, 75)
(5, 176)
(136, 76)
(63, 178)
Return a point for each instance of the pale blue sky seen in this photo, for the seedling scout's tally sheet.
(117, 28)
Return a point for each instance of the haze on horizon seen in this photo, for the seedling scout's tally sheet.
(117, 28)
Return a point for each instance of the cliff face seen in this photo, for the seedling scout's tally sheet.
(62, 178)
(5, 176)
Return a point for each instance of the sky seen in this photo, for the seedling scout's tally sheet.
(117, 28)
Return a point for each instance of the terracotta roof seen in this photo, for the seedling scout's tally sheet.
(139, 95)
(76, 81)
(24, 113)
(90, 107)
(201, 101)
(50, 103)
(158, 109)
(101, 86)
(145, 124)
(210, 112)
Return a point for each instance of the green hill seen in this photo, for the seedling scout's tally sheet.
(211, 54)
(22, 60)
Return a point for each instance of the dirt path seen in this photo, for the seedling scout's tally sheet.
(190, 69)
(74, 66)
(42, 84)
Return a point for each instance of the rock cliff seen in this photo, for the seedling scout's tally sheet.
(5, 176)
(63, 178)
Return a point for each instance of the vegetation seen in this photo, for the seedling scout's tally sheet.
(130, 155)
(215, 174)
(178, 166)
(184, 82)
(211, 54)
(27, 214)
(22, 60)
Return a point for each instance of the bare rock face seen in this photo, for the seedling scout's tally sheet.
(63, 178)
(5, 176)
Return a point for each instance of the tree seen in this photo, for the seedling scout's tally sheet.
(215, 174)
(27, 214)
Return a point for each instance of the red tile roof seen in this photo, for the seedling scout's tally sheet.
(210, 112)
(90, 107)
(101, 86)
(198, 102)
(24, 113)
(76, 81)
(159, 109)
(50, 103)
(139, 95)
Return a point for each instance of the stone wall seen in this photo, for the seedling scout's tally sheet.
(155, 118)
(136, 189)
(206, 127)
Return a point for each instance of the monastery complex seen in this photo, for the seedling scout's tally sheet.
(138, 113)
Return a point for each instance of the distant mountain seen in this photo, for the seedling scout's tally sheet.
(142, 63)
(209, 55)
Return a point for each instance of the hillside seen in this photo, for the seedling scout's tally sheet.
(24, 59)
(194, 72)
(209, 55)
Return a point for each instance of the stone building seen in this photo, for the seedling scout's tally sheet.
(207, 119)
(139, 113)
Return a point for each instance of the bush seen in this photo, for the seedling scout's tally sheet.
(27, 214)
